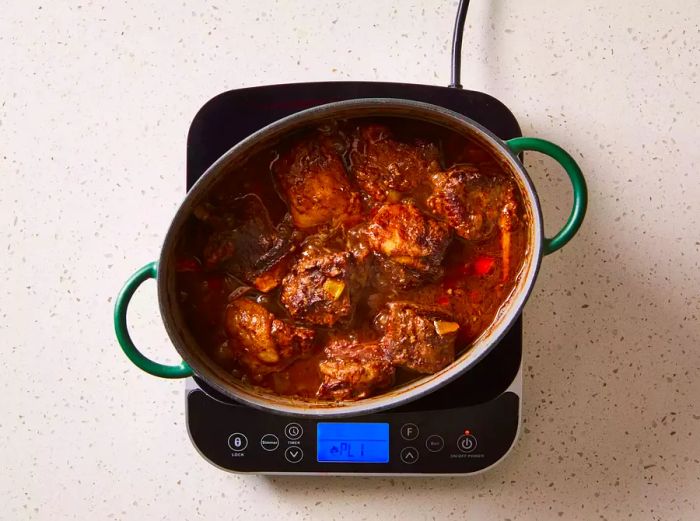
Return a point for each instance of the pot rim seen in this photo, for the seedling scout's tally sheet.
(260, 398)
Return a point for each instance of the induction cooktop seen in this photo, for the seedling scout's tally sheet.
(463, 428)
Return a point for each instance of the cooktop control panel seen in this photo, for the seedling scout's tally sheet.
(449, 441)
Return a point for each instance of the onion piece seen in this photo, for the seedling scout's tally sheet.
(334, 288)
(443, 327)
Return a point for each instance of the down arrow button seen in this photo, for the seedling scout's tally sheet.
(293, 454)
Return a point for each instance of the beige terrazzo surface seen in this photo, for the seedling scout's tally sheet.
(95, 102)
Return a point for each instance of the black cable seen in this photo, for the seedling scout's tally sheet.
(457, 44)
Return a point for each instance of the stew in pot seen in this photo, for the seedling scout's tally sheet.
(352, 257)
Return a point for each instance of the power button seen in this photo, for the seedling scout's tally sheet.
(466, 443)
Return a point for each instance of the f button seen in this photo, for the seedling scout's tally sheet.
(409, 431)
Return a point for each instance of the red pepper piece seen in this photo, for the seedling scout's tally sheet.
(483, 265)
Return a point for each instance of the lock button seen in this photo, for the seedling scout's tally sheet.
(237, 442)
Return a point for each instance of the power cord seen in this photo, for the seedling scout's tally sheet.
(457, 44)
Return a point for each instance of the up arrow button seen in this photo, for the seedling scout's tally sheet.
(409, 455)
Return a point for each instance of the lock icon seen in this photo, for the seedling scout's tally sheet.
(237, 442)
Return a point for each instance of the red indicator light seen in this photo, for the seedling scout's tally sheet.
(467, 432)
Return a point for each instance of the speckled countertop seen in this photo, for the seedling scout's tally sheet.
(95, 102)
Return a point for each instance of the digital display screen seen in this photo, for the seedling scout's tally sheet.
(352, 442)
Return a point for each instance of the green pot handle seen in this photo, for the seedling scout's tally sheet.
(149, 271)
(561, 156)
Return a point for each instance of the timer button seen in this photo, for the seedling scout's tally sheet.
(293, 454)
(269, 442)
(409, 431)
(466, 443)
(293, 431)
(237, 442)
(409, 455)
(434, 443)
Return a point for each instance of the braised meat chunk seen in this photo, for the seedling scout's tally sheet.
(419, 338)
(245, 243)
(323, 286)
(352, 370)
(385, 168)
(313, 181)
(262, 343)
(473, 203)
(388, 275)
(408, 238)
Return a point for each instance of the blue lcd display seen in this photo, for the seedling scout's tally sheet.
(352, 442)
